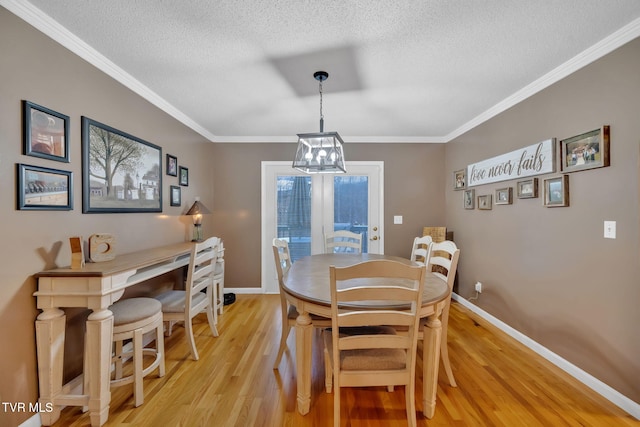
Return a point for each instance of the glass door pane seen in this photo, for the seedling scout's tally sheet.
(351, 205)
(294, 214)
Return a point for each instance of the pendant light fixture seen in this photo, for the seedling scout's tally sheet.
(320, 152)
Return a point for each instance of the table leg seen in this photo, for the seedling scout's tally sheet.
(50, 335)
(431, 363)
(304, 337)
(99, 340)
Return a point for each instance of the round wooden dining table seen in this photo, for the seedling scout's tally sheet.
(307, 287)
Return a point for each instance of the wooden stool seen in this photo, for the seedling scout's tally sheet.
(132, 319)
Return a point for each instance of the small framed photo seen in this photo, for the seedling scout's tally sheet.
(459, 180)
(184, 176)
(484, 202)
(587, 151)
(504, 196)
(176, 195)
(469, 199)
(45, 133)
(44, 189)
(528, 188)
(556, 191)
(172, 165)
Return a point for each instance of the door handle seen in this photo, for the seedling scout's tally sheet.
(374, 238)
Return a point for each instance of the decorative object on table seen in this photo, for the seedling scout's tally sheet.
(44, 189)
(45, 133)
(469, 199)
(120, 173)
(172, 165)
(459, 180)
(176, 195)
(556, 191)
(587, 151)
(196, 211)
(77, 252)
(528, 188)
(484, 202)
(536, 159)
(102, 247)
(184, 176)
(504, 196)
(320, 152)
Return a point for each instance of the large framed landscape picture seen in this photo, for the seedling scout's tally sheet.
(120, 173)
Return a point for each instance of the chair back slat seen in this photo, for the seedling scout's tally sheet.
(342, 241)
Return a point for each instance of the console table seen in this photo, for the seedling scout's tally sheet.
(96, 286)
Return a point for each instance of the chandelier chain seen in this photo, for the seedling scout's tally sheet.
(320, 85)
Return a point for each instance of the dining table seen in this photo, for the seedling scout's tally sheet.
(306, 286)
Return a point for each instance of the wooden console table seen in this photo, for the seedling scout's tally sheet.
(96, 286)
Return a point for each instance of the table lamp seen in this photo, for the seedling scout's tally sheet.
(196, 211)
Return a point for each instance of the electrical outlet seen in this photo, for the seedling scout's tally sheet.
(479, 287)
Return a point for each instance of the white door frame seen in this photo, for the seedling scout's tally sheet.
(269, 171)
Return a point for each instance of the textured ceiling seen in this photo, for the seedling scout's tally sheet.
(404, 71)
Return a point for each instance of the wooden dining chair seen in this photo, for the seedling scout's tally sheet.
(342, 241)
(282, 260)
(184, 305)
(218, 279)
(362, 348)
(421, 250)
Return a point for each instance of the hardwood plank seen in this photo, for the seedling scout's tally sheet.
(500, 382)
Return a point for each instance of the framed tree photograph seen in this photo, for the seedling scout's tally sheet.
(469, 199)
(176, 195)
(587, 151)
(44, 189)
(528, 188)
(484, 202)
(556, 191)
(172, 165)
(504, 196)
(45, 133)
(184, 176)
(120, 173)
(459, 180)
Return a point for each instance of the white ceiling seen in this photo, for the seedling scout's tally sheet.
(400, 71)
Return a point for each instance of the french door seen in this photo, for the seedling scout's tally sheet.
(299, 208)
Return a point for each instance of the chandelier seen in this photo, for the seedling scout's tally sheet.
(320, 152)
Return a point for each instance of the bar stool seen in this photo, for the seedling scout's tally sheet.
(132, 319)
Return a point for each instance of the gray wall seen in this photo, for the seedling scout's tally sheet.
(548, 272)
(35, 68)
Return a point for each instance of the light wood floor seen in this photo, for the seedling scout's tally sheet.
(500, 383)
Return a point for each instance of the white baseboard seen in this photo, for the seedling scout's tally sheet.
(615, 397)
(34, 421)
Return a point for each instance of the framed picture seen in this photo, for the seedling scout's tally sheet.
(172, 165)
(556, 191)
(176, 195)
(44, 189)
(120, 173)
(45, 133)
(587, 151)
(469, 199)
(484, 202)
(504, 196)
(528, 188)
(459, 180)
(184, 176)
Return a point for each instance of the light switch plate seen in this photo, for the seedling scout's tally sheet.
(397, 219)
(610, 229)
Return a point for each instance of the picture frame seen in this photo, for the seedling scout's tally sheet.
(484, 202)
(172, 165)
(589, 150)
(459, 179)
(556, 191)
(176, 195)
(469, 199)
(45, 132)
(184, 176)
(44, 189)
(504, 196)
(527, 189)
(128, 180)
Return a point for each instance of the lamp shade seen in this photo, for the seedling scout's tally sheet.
(319, 153)
(198, 209)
